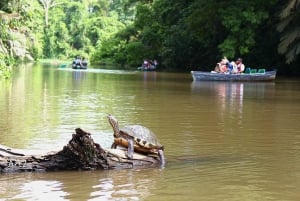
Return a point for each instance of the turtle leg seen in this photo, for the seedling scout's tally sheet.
(113, 146)
(130, 148)
(161, 157)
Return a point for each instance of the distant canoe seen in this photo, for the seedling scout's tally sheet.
(151, 68)
(63, 65)
(78, 66)
(214, 76)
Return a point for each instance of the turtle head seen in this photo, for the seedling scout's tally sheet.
(114, 124)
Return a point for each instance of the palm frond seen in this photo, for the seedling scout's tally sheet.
(291, 5)
(287, 39)
(290, 31)
(293, 51)
(297, 49)
(284, 23)
(291, 55)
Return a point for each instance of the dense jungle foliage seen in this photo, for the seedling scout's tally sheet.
(182, 35)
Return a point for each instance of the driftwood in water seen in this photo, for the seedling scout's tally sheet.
(81, 153)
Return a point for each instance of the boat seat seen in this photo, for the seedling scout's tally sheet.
(253, 71)
(248, 70)
(262, 70)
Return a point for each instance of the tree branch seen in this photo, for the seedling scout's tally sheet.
(81, 153)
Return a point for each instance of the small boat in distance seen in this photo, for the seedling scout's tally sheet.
(148, 65)
(78, 66)
(253, 75)
(143, 68)
(79, 63)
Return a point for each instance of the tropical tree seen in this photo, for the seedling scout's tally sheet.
(16, 35)
(183, 34)
(289, 27)
(47, 4)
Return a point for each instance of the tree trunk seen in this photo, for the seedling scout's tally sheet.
(81, 153)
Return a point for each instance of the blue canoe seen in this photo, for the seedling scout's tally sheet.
(260, 75)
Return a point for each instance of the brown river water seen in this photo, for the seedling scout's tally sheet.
(223, 141)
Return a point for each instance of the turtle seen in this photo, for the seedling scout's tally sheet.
(136, 137)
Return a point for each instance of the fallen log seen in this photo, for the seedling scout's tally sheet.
(81, 153)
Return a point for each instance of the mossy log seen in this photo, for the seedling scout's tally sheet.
(81, 153)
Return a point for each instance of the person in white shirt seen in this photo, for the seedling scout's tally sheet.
(238, 66)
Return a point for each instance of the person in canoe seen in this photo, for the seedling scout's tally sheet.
(236, 66)
(240, 65)
(221, 66)
(84, 62)
(77, 62)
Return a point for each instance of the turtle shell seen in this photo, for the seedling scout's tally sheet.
(142, 136)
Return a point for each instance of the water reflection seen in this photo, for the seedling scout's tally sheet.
(232, 95)
(40, 190)
(231, 91)
(149, 76)
(78, 75)
(124, 184)
(93, 185)
(95, 70)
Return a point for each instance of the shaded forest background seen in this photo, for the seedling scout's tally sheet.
(182, 35)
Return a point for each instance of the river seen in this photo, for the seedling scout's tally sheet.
(223, 141)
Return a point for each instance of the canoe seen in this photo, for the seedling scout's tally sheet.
(251, 76)
(77, 66)
(63, 65)
(151, 68)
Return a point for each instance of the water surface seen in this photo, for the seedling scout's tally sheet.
(223, 141)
